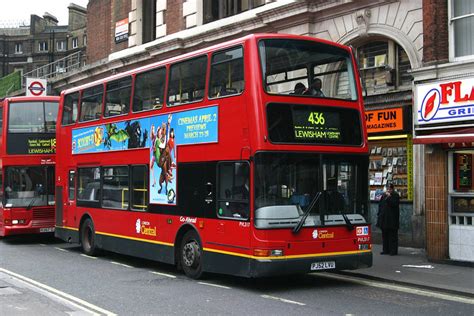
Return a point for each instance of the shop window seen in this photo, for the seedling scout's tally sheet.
(389, 163)
(219, 9)
(461, 31)
(462, 193)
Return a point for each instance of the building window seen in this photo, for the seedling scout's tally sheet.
(61, 46)
(216, 10)
(384, 66)
(84, 40)
(461, 30)
(18, 48)
(75, 42)
(43, 46)
(149, 20)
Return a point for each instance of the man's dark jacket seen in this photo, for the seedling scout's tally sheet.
(389, 212)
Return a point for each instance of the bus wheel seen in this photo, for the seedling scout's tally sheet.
(191, 255)
(87, 236)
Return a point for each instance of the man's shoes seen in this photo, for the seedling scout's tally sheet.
(384, 253)
(393, 254)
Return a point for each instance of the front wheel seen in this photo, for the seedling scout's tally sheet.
(191, 255)
(87, 236)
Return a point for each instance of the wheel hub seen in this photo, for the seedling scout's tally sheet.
(191, 253)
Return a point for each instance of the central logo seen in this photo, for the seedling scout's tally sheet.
(430, 105)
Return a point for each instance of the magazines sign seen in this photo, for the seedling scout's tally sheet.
(445, 102)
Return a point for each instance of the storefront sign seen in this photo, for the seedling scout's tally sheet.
(387, 120)
(445, 102)
(121, 30)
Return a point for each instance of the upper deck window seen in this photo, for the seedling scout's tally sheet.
(91, 103)
(32, 117)
(307, 68)
(227, 73)
(187, 81)
(149, 90)
(70, 108)
(117, 98)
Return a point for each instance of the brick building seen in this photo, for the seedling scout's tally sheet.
(27, 48)
(394, 42)
(443, 125)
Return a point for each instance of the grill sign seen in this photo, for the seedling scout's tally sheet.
(451, 101)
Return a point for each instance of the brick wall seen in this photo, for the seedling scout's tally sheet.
(174, 16)
(98, 30)
(435, 31)
(436, 204)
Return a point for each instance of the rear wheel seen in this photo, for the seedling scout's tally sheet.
(191, 255)
(87, 235)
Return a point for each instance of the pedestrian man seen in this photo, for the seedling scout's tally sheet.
(389, 220)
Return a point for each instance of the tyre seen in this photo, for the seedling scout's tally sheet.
(87, 238)
(191, 255)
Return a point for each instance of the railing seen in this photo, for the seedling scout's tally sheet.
(56, 68)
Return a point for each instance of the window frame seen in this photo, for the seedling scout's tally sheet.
(169, 77)
(18, 48)
(210, 71)
(131, 187)
(60, 45)
(102, 175)
(81, 101)
(74, 120)
(73, 173)
(75, 42)
(218, 188)
(124, 111)
(42, 46)
(134, 88)
(451, 37)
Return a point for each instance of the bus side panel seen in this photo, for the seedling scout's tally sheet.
(140, 249)
(227, 264)
(59, 205)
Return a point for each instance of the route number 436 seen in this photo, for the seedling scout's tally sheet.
(316, 118)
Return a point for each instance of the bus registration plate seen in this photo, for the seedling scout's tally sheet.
(325, 265)
(47, 230)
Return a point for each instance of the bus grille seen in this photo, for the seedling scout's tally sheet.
(43, 217)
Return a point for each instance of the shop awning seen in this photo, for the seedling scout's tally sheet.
(465, 135)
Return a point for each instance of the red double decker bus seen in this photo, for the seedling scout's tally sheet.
(27, 161)
(246, 158)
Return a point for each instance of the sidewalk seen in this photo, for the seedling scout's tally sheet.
(411, 267)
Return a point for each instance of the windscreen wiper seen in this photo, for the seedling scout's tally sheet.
(350, 226)
(298, 226)
(33, 200)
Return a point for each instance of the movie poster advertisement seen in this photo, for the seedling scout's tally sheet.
(161, 135)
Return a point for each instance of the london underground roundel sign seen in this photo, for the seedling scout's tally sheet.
(35, 87)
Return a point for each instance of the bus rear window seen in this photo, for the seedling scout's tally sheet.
(307, 68)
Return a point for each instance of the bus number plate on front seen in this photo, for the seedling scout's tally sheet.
(47, 230)
(326, 265)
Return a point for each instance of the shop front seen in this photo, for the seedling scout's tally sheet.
(444, 124)
(391, 161)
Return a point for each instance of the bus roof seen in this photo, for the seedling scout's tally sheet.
(28, 99)
(221, 45)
